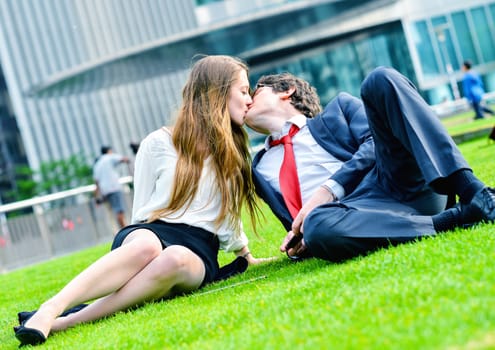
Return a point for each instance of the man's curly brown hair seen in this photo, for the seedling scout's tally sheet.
(304, 99)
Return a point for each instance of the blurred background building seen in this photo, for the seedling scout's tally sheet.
(78, 74)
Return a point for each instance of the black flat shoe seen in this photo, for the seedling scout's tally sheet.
(29, 336)
(23, 316)
(239, 265)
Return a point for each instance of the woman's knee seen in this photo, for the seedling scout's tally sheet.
(180, 264)
(176, 257)
(143, 244)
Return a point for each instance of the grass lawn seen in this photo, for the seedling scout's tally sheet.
(464, 123)
(435, 294)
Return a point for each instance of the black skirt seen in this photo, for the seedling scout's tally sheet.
(203, 243)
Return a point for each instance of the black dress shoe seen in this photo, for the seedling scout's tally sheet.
(481, 208)
(29, 336)
(23, 316)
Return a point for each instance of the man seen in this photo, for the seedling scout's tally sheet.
(474, 90)
(108, 187)
(362, 188)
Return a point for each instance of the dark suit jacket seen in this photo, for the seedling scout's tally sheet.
(342, 130)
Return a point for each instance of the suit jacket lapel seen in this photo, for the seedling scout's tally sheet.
(274, 199)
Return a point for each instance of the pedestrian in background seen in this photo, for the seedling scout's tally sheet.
(474, 90)
(108, 187)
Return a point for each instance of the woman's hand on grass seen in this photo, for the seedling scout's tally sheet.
(257, 261)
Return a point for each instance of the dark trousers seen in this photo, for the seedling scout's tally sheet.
(395, 201)
(479, 109)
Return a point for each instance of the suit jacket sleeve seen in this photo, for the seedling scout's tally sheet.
(342, 129)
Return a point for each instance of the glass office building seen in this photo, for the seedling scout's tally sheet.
(79, 74)
(11, 146)
(441, 41)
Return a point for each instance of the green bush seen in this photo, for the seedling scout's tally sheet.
(52, 177)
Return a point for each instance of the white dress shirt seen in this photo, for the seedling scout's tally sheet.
(153, 179)
(314, 165)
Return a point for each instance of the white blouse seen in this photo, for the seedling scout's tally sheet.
(153, 178)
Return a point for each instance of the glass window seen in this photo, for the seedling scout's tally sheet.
(400, 56)
(204, 2)
(483, 33)
(343, 66)
(439, 94)
(464, 37)
(445, 43)
(316, 69)
(424, 48)
(348, 75)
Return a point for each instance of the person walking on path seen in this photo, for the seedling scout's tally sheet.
(474, 90)
(108, 187)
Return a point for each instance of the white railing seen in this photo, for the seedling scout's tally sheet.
(44, 227)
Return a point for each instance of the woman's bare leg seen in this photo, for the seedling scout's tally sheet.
(176, 269)
(106, 275)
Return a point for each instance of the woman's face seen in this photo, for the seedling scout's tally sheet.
(239, 98)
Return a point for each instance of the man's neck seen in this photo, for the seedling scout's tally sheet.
(276, 124)
(279, 123)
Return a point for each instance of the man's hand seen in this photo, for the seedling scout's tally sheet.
(321, 196)
(297, 246)
(283, 246)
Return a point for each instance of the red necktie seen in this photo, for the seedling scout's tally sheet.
(289, 182)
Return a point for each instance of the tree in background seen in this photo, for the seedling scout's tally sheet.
(52, 176)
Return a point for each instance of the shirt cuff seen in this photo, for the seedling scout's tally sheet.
(336, 188)
(234, 244)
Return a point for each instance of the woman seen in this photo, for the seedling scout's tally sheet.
(188, 182)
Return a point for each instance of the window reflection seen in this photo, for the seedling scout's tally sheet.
(343, 66)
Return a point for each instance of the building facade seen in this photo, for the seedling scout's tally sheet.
(78, 74)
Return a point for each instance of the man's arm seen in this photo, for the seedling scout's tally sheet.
(97, 194)
(341, 129)
(321, 196)
(354, 143)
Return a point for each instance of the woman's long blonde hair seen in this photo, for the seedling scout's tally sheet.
(204, 128)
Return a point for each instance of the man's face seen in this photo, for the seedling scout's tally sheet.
(265, 102)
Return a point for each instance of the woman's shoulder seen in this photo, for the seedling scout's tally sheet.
(162, 134)
(158, 140)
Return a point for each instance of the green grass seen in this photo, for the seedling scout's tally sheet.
(464, 123)
(435, 294)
